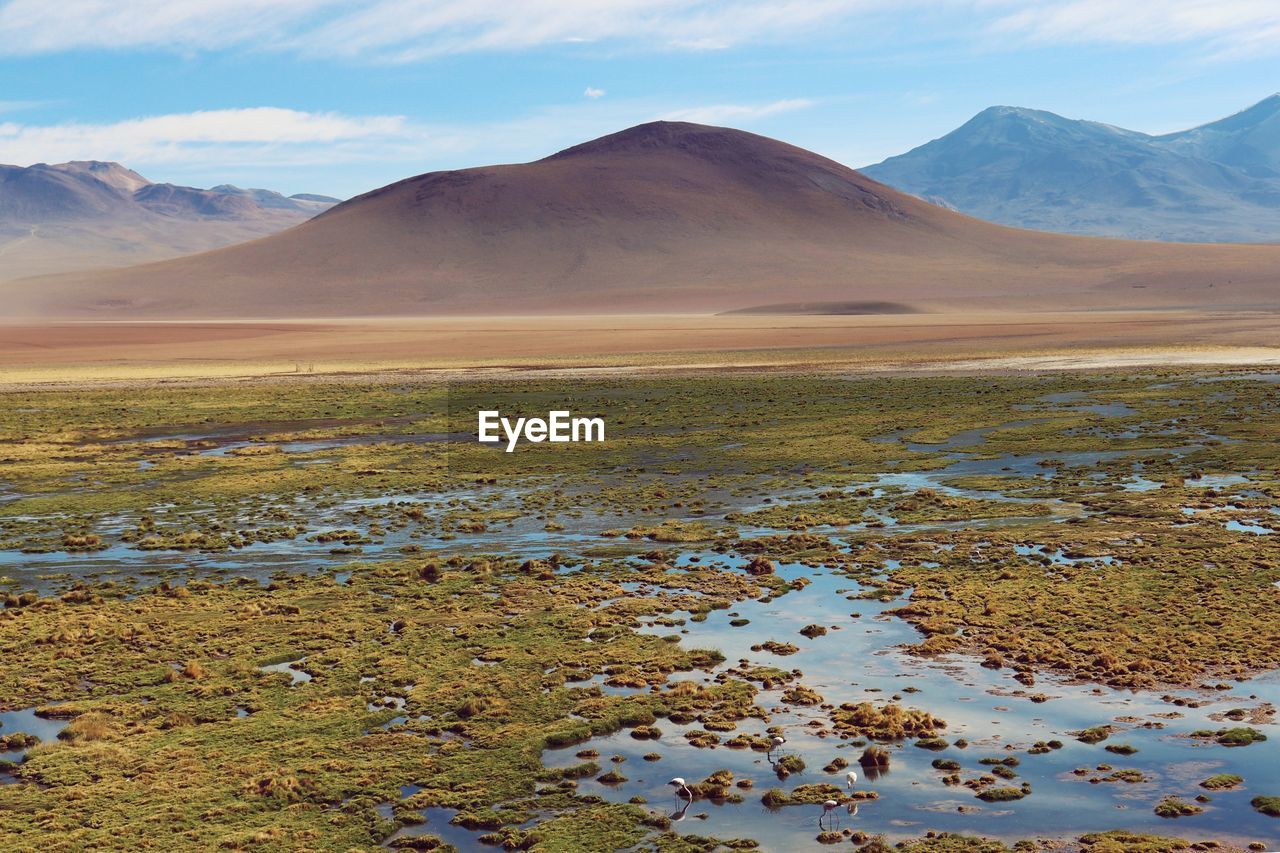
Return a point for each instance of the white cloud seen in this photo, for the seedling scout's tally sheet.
(405, 30)
(261, 134)
(408, 30)
(1224, 27)
(593, 92)
(730, 113)
(213, 142)
(39, 26)
(15, 106)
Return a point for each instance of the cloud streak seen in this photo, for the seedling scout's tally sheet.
(265, 134)
(412, 30)
(210, 142)
(36, 26)
(1225, 28)
(737, 113)
(405, 30)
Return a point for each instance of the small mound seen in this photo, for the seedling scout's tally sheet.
(833, 308)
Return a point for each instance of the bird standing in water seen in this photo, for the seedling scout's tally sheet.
(681, 787)
(850, 779)
(827, 808)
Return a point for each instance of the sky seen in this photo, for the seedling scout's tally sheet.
(342, 96)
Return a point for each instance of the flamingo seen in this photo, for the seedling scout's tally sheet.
(681, 787)
(776, 742)
(850, 779)
(827, 808)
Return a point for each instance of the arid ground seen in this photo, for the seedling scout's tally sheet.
(75, 352)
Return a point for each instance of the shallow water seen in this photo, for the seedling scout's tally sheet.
(25, 720)
(317, 444)
(526, 534)
(1272, 378)
(291, 668)
(1249, 527)
(860, 662)
(1215, 481)
(857, 660)
(436, 823)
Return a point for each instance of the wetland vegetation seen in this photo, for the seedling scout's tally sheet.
(1027, 612)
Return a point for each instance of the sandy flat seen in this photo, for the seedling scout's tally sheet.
(586, 345)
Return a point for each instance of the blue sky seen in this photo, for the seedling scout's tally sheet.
(341, 96)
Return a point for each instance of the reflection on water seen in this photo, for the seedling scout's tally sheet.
(523, 533)
(292, 668)
(988, 708)
(436, 822)
(24, 721)
(1248, 527)
(858, 659)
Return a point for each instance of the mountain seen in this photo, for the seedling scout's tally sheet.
(662, 217)
(1219, 182)
(1248, 141)
(111, 174)
(86, 214)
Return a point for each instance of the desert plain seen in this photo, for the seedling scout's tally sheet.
(73, 351)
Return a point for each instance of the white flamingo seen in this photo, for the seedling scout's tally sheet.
(681, 787)
(850, 779)
(827, 808)
(776, 742)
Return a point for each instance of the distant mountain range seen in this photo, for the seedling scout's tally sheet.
(1034, 169)
(666, 216)
(87, 214)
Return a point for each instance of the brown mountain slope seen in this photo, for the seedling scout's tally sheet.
(661, 217)
(87, 214)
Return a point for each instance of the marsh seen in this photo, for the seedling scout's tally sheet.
(304, 626)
